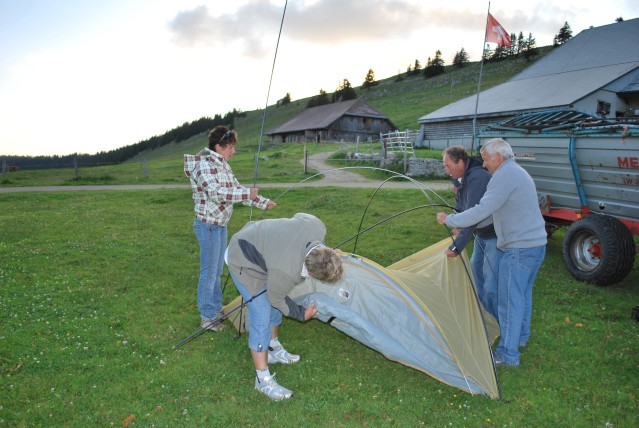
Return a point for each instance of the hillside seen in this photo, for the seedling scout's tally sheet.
(402, 101)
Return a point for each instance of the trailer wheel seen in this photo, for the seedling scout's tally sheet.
(599, 249)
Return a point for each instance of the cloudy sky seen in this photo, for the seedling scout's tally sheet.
(79, 76)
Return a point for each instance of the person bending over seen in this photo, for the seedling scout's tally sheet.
(275, 255)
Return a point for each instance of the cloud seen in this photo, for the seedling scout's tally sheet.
(343, 21)
(246, 27)
(323, 22)
(193, 27)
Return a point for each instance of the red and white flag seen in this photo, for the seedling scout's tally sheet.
(495, 32)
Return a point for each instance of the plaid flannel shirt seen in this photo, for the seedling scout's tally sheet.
(215, 188)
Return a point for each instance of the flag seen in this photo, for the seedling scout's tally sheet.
(495, 32)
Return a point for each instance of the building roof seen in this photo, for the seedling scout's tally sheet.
(322, 117)
(584, 64)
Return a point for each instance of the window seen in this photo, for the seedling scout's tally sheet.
(603, 108)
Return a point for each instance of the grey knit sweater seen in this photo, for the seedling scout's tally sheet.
(511, 198)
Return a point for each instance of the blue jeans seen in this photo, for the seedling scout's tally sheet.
(262, 316)
(517, 271)
(485, 266)
(212, 240)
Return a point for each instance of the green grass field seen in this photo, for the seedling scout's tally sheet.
(96, 288)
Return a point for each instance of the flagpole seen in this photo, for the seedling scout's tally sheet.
(481, 70)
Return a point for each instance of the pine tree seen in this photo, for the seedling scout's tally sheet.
(500, 53)
(565, 34)
(322, 98)
(487, 53)
(285, 100)
(417, 67)
(345, 92)
(369, 80)
(434, 67)
(461, 58)
(512, 50)
(520, 43)
(530, 49)
(318, 100)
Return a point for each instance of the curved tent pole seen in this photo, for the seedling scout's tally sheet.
(418, 185)
(379, 223)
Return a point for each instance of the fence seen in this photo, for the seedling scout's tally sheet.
(398, 142)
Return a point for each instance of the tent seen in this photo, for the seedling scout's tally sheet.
(421, 311)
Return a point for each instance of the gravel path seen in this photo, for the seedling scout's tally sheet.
(346, 178)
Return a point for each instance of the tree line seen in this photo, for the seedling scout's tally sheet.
(116, 156)
(520, 47)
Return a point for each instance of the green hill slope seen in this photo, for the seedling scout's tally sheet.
(402, 101)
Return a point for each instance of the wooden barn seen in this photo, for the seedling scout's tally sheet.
(343, 121)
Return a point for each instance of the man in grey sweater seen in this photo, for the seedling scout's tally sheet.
(511, 199)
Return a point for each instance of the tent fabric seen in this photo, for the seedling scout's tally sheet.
(421, 311)
(238, 316)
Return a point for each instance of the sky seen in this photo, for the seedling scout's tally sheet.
(80, 76)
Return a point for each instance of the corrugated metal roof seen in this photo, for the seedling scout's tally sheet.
(322, 117)
(632, 87)
(535, 93)
(565, 121)
(581, 66)
(556, 119)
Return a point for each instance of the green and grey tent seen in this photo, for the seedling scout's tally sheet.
(421, 311)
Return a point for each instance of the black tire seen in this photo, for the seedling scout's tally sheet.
(599, 249)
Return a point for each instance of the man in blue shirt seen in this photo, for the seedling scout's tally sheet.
(511, 199)
(470, 180)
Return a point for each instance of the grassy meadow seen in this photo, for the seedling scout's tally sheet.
(97, 287)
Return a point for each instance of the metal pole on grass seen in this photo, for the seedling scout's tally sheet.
(217, 321)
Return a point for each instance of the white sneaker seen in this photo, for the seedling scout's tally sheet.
(272, 389)
(280, 355)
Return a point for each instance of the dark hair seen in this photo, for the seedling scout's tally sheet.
(221, 135)
(456, 153)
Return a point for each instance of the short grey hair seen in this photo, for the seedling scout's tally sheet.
(498, 146)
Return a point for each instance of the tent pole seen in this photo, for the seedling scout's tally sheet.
(219, 320)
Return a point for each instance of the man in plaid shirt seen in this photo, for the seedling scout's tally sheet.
(215, 190)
